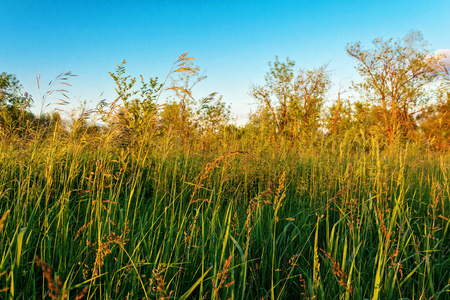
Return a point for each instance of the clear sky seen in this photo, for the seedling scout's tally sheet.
(233, 41)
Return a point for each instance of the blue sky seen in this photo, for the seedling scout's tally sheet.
(233, 41)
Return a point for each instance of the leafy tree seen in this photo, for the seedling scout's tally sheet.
(171, 117)
(139, 104)
(364, 119)
(11, 92)
(435, 118)
(292, 102)
(189, 118)
(213, 113)
(139, 113)
(435, 124)
(339, 117)
(394, 75)
(13, 104)
(183, 86)
(352, 121)
(186, 114)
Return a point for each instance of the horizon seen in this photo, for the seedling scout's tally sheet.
(232, 42)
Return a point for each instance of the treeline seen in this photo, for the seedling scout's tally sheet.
(403, 95)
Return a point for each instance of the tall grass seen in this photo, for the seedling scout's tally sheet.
(164, 222)
(130, 214)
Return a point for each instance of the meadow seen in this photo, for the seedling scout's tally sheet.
(169, 202)
(243, 220)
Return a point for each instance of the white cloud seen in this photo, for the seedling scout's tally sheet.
(441, 66)
(444, 55)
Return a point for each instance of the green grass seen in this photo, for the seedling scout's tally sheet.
(160, 220)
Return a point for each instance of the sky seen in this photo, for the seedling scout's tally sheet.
(233, 41)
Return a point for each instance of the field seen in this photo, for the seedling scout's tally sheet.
(141, 200)
(245, 218)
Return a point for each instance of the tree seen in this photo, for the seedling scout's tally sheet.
(170, 118)
(339, 117)
(11, 92)
(139, 105)
(13, 104)
(184, 103)
(435, 119)
(435, 123)
(138, 116)
(394, 76)
(213, 114)
(293, 102)
(188, 116)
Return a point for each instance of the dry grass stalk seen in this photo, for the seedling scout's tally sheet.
(222, 276)
(340, 274)
(104, 249)
(58, 287)
(3, 219)
(253, 204)
(209, 168)
(189, 237)
(279, 196)
(387, 236)
(81, 229)
(158, 283)
(305, 288)
(394, 263)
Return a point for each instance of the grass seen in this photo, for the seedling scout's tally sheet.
(132, 213)
(256, 223)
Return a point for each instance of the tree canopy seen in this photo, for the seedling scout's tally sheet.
(11, 91)
(394, 76)
(291, 101)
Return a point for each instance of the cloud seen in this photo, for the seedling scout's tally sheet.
(444, 56)
(439, 62)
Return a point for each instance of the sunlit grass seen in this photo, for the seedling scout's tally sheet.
(129, 212)
(161, 222)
